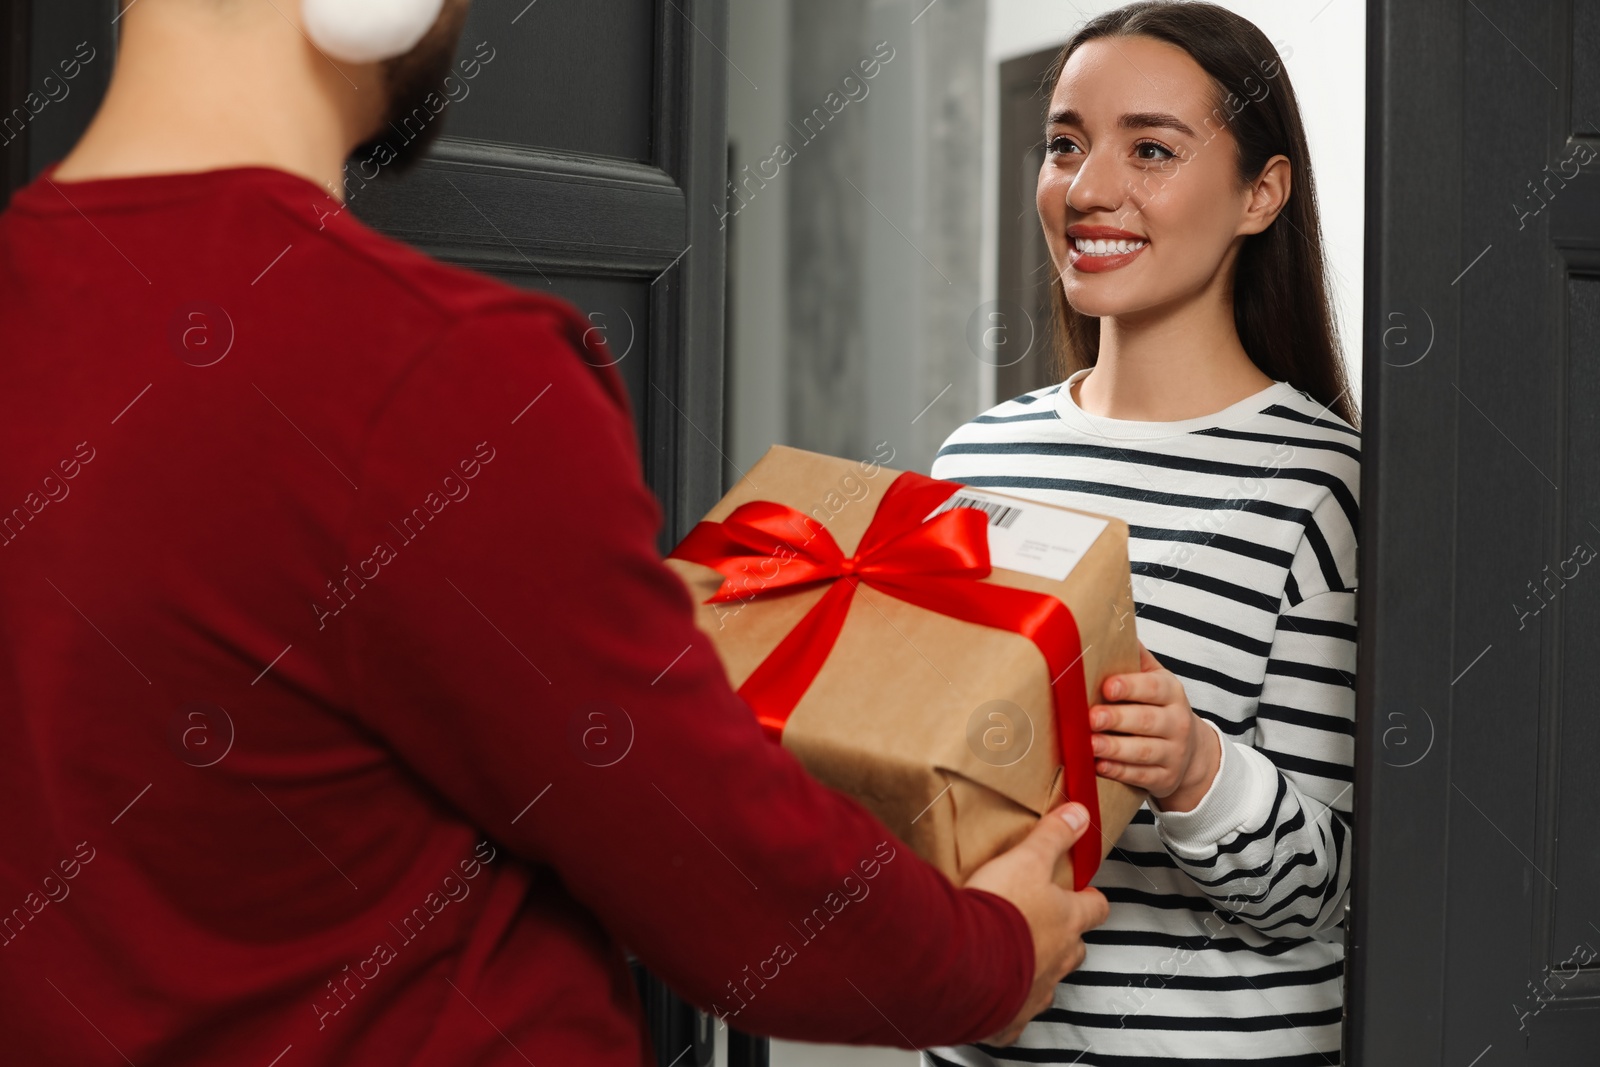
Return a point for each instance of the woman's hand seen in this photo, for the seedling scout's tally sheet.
(1151, 738)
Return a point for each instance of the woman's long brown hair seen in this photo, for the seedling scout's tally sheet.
(1280, 288)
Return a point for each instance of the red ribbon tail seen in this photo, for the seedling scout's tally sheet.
(775, 687)
(1049, 624)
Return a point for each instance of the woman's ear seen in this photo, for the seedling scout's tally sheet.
(1268, 194)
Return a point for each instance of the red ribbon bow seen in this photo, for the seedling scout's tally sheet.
(934, 565)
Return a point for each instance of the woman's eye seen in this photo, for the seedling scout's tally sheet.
(1056, 146)
(1154, 152)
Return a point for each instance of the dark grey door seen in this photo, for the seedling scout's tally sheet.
(1475, 933)
(54, 65)
(588, 158)
(585, 154)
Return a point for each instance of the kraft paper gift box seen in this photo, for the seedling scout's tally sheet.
(943, 727)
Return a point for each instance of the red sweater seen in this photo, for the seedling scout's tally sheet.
(350, 714)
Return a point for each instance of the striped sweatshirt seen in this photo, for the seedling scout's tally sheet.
(1225, 939)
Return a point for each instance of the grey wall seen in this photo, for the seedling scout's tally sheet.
(856, 256)
(758, 107)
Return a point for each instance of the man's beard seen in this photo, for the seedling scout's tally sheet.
(410, 126)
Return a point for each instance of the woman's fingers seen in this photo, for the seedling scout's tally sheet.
(1139, 750)
(1143, 735)
(1150, 778)
(1146, 719)
(1150, 687)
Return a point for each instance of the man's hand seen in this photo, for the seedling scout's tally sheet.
(1152, 739)
(1057, 917)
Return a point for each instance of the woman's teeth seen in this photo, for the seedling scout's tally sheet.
(1107, 248)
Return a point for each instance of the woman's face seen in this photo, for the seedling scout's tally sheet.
(1139, 193)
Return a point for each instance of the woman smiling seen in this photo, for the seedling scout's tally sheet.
(1204, 402)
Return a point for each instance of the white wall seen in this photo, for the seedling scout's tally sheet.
(1324, 44)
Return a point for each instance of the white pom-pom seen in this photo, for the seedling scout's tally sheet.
(368, 31)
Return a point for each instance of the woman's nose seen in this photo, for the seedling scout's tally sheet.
(1095, 187)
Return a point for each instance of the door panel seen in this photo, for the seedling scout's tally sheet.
(1477, 898)
(582, 77)
(1571, 900)
(589, 160)
(42, 119)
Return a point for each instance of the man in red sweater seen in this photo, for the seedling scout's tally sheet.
(351, 716)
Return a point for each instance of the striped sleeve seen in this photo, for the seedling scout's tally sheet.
(1269, 843)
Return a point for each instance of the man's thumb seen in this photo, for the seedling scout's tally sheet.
(1060, 829)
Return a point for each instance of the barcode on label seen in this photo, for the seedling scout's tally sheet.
(999, 515)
